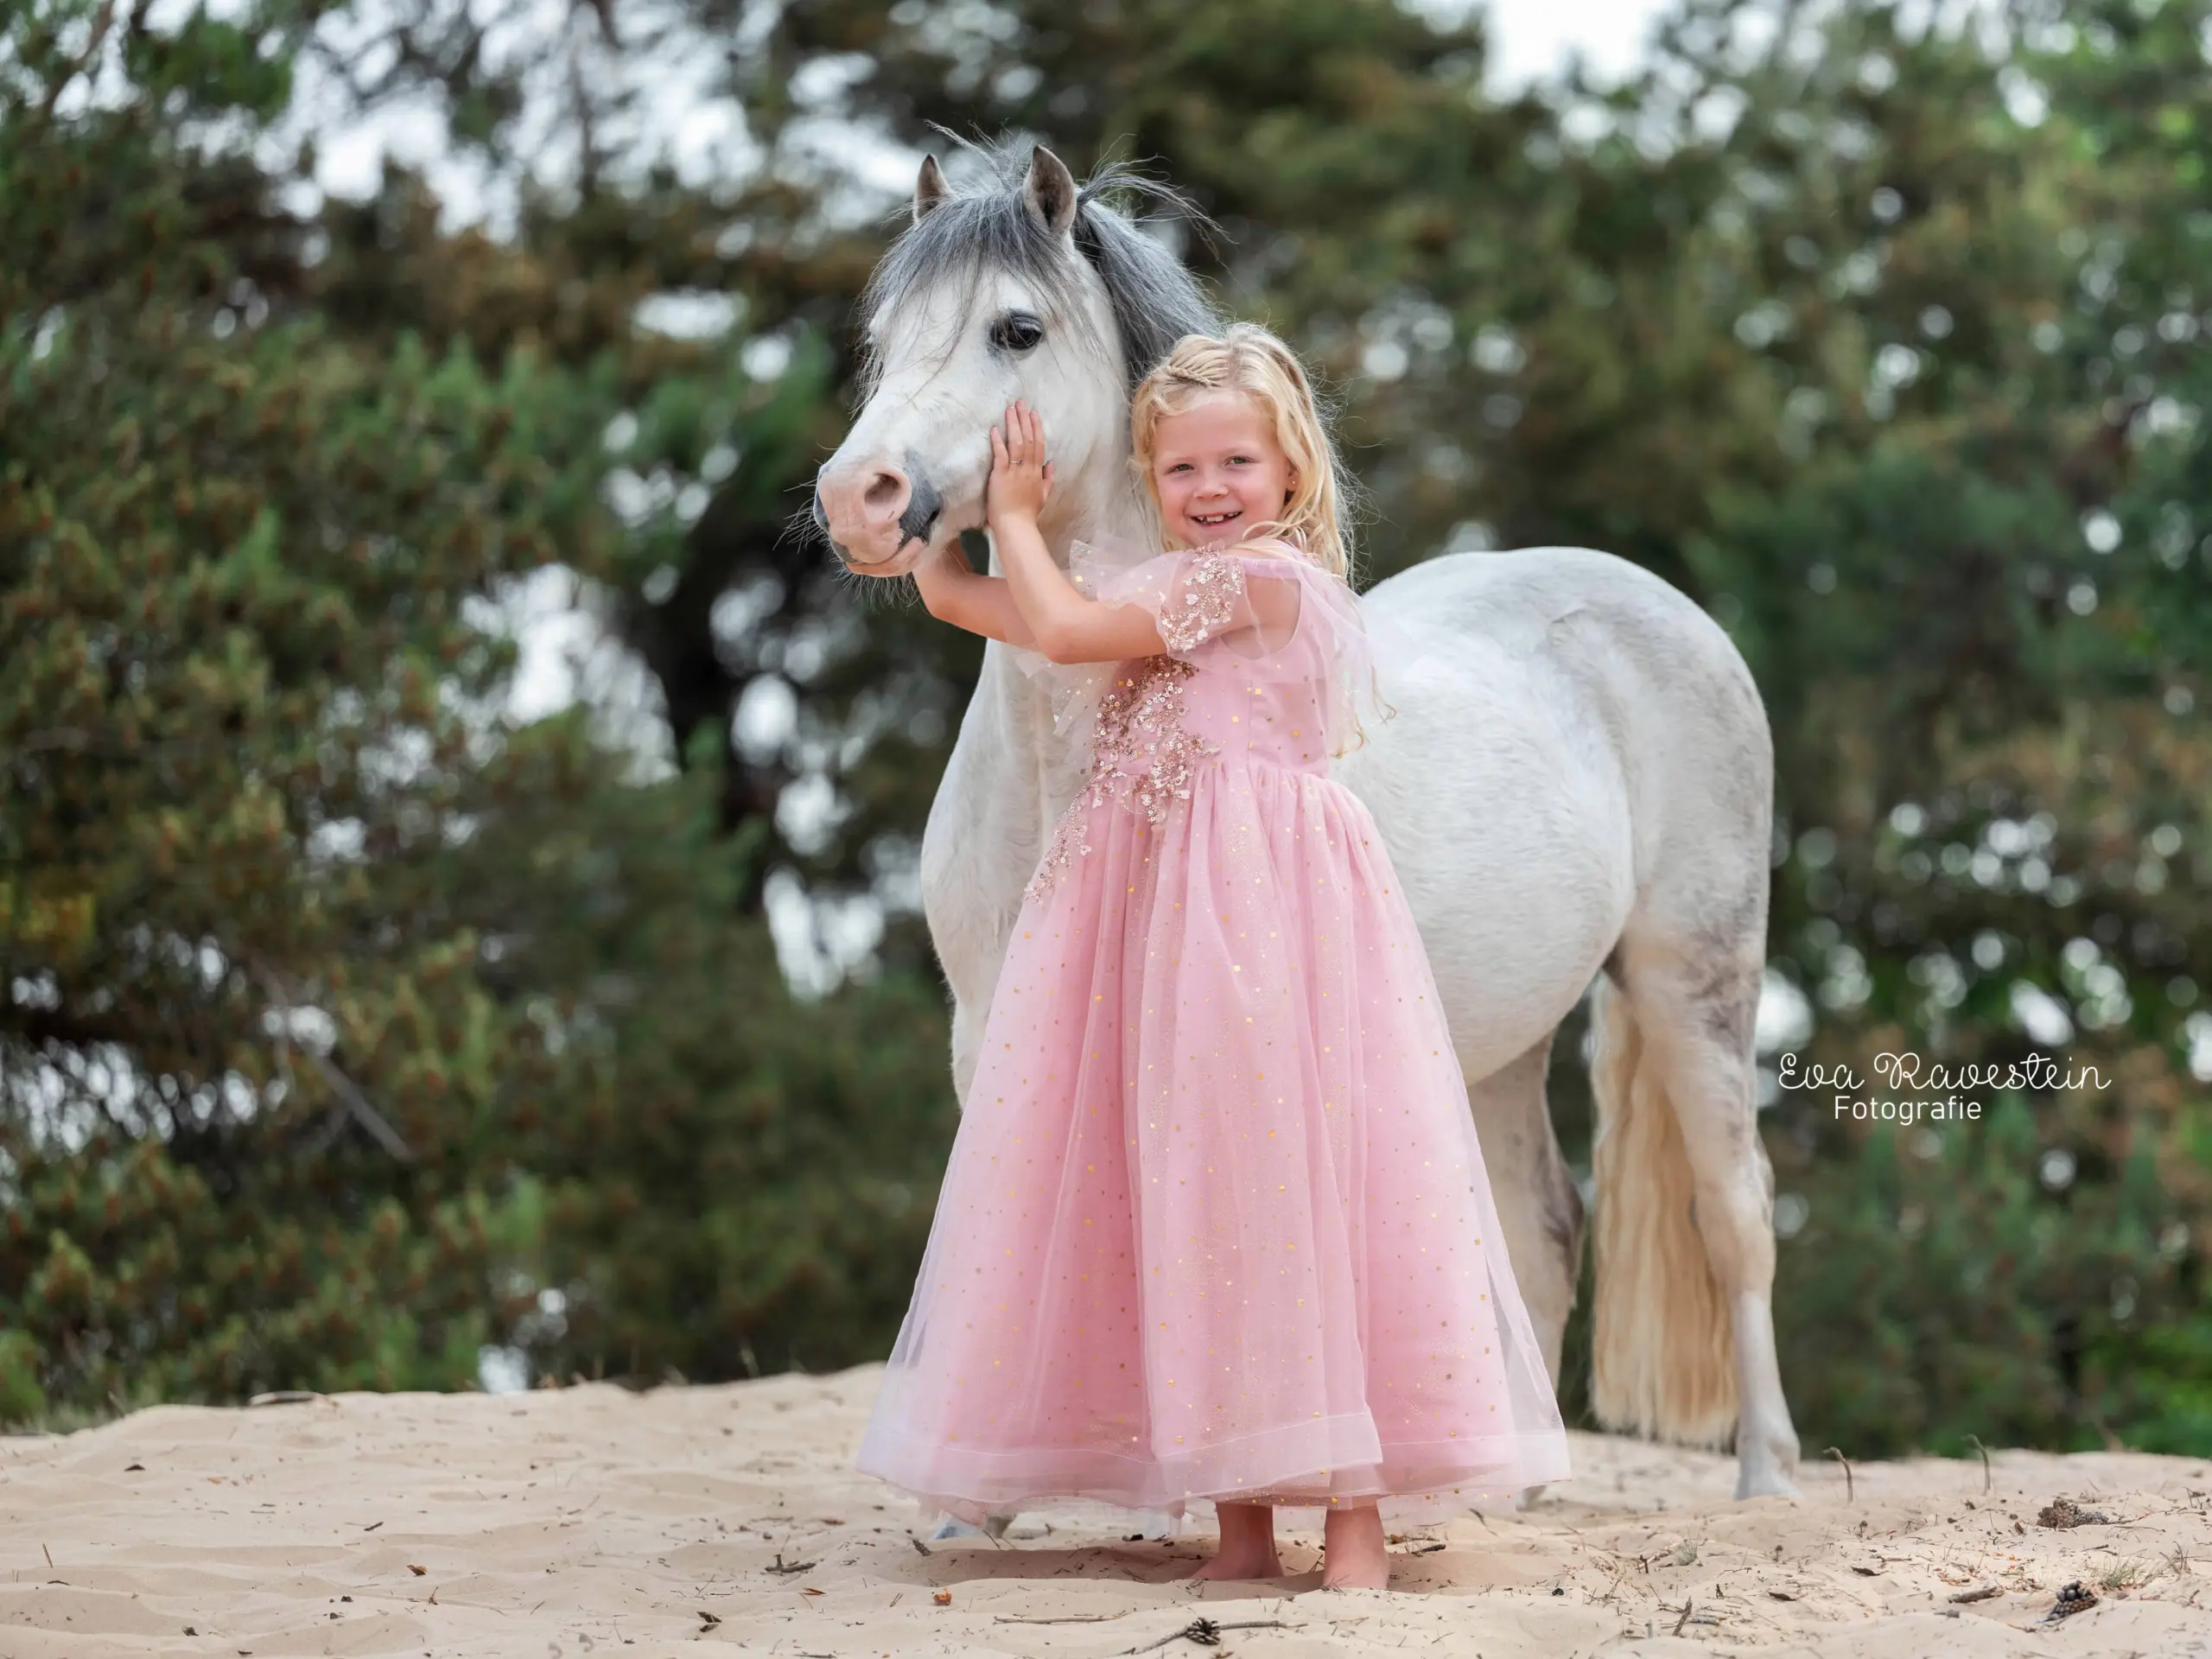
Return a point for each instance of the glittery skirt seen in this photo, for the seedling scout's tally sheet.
(1216, 1224)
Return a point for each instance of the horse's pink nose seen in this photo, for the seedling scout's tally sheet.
(863, 507)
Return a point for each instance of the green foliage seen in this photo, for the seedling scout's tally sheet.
(138, 1282)
(319, 971)
(1976, 1304)
(719, 1179)
(22, 1396)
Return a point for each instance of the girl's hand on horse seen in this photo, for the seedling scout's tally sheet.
(1021, 479)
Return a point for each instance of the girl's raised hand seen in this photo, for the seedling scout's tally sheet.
(1021, 479)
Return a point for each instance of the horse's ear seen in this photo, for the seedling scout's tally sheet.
(1049, 191)
(931, 189)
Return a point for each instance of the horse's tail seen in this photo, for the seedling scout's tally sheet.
(1662, 1361)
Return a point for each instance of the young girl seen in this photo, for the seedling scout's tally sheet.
(1216, 1225)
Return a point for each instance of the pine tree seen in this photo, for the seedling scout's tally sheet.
(332, 991)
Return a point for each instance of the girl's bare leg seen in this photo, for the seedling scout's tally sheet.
(1248, 1544)
(1359, 1557)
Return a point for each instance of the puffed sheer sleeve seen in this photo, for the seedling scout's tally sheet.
(1269, 615)
(1208, 605)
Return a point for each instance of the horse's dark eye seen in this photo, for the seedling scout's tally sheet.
(1017, 331)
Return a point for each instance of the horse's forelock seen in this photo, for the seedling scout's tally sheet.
(1154, 301)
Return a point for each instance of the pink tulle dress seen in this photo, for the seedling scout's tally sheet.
(1216, 1225)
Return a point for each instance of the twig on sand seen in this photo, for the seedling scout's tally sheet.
(1846, 1462)
(1687, 1605)
(1207, 1633)
(1056, 1618)
(1975, 1440)
(1983, 1594)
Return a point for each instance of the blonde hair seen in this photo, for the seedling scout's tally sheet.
(1248, 360)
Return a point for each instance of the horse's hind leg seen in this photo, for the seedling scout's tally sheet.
(1682, 1070)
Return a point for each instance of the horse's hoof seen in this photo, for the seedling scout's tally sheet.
(1771, 1483)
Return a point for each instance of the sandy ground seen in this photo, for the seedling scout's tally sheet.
(588, 1519)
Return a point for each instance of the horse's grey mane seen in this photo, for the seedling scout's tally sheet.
(1156, 301)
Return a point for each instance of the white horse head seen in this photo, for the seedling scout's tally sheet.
(1030, 288)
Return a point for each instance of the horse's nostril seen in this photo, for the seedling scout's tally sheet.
(886, 497)
(919, 519)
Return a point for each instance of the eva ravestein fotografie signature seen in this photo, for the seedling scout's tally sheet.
(1949, 1095)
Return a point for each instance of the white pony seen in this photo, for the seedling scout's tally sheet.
(1577, 786)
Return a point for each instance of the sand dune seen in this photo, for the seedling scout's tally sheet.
(576, 1520)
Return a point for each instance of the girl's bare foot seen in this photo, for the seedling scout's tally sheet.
(1248, 1544)
(1359, 1558)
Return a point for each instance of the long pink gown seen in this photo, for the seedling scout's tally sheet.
(1216, 1225)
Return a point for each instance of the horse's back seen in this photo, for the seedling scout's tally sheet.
(1622, 658)
(1519, 598)
(1553, 708)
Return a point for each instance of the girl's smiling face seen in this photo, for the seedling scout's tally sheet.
(1218, 472)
